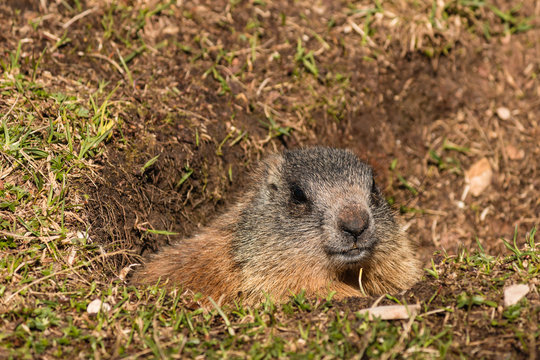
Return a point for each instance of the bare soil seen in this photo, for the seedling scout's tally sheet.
(399, 105)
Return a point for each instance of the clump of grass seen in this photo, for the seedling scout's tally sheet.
(47, 140)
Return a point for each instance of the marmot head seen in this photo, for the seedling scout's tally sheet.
(318, 203)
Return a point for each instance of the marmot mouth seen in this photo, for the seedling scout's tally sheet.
(352, 255)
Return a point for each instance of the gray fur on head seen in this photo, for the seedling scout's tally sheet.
(299, 208)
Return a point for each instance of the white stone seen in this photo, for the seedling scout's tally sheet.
(391, 312)
(514, 293)
(96, 305)
(503, 113)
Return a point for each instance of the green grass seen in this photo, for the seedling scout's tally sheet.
(49, 317)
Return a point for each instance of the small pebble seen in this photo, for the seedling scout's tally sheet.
(391, 312)
(514, 293)
(96, 305)
(503, 113)
(479, 176)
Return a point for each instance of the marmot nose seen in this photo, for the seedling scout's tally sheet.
(353, 222)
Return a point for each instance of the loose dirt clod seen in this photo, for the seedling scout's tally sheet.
(514, 153)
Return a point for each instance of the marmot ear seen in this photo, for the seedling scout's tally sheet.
(271, 168)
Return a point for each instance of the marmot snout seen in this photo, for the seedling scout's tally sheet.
(311, 220)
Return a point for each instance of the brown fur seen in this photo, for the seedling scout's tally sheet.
(272, 264)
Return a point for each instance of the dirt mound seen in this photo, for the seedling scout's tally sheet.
(202, 91)
(207, 105)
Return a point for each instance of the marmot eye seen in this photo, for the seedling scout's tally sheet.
(297, 194)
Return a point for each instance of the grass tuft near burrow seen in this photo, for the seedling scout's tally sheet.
(45, 314)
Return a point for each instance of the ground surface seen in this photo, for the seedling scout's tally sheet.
(128, 125)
